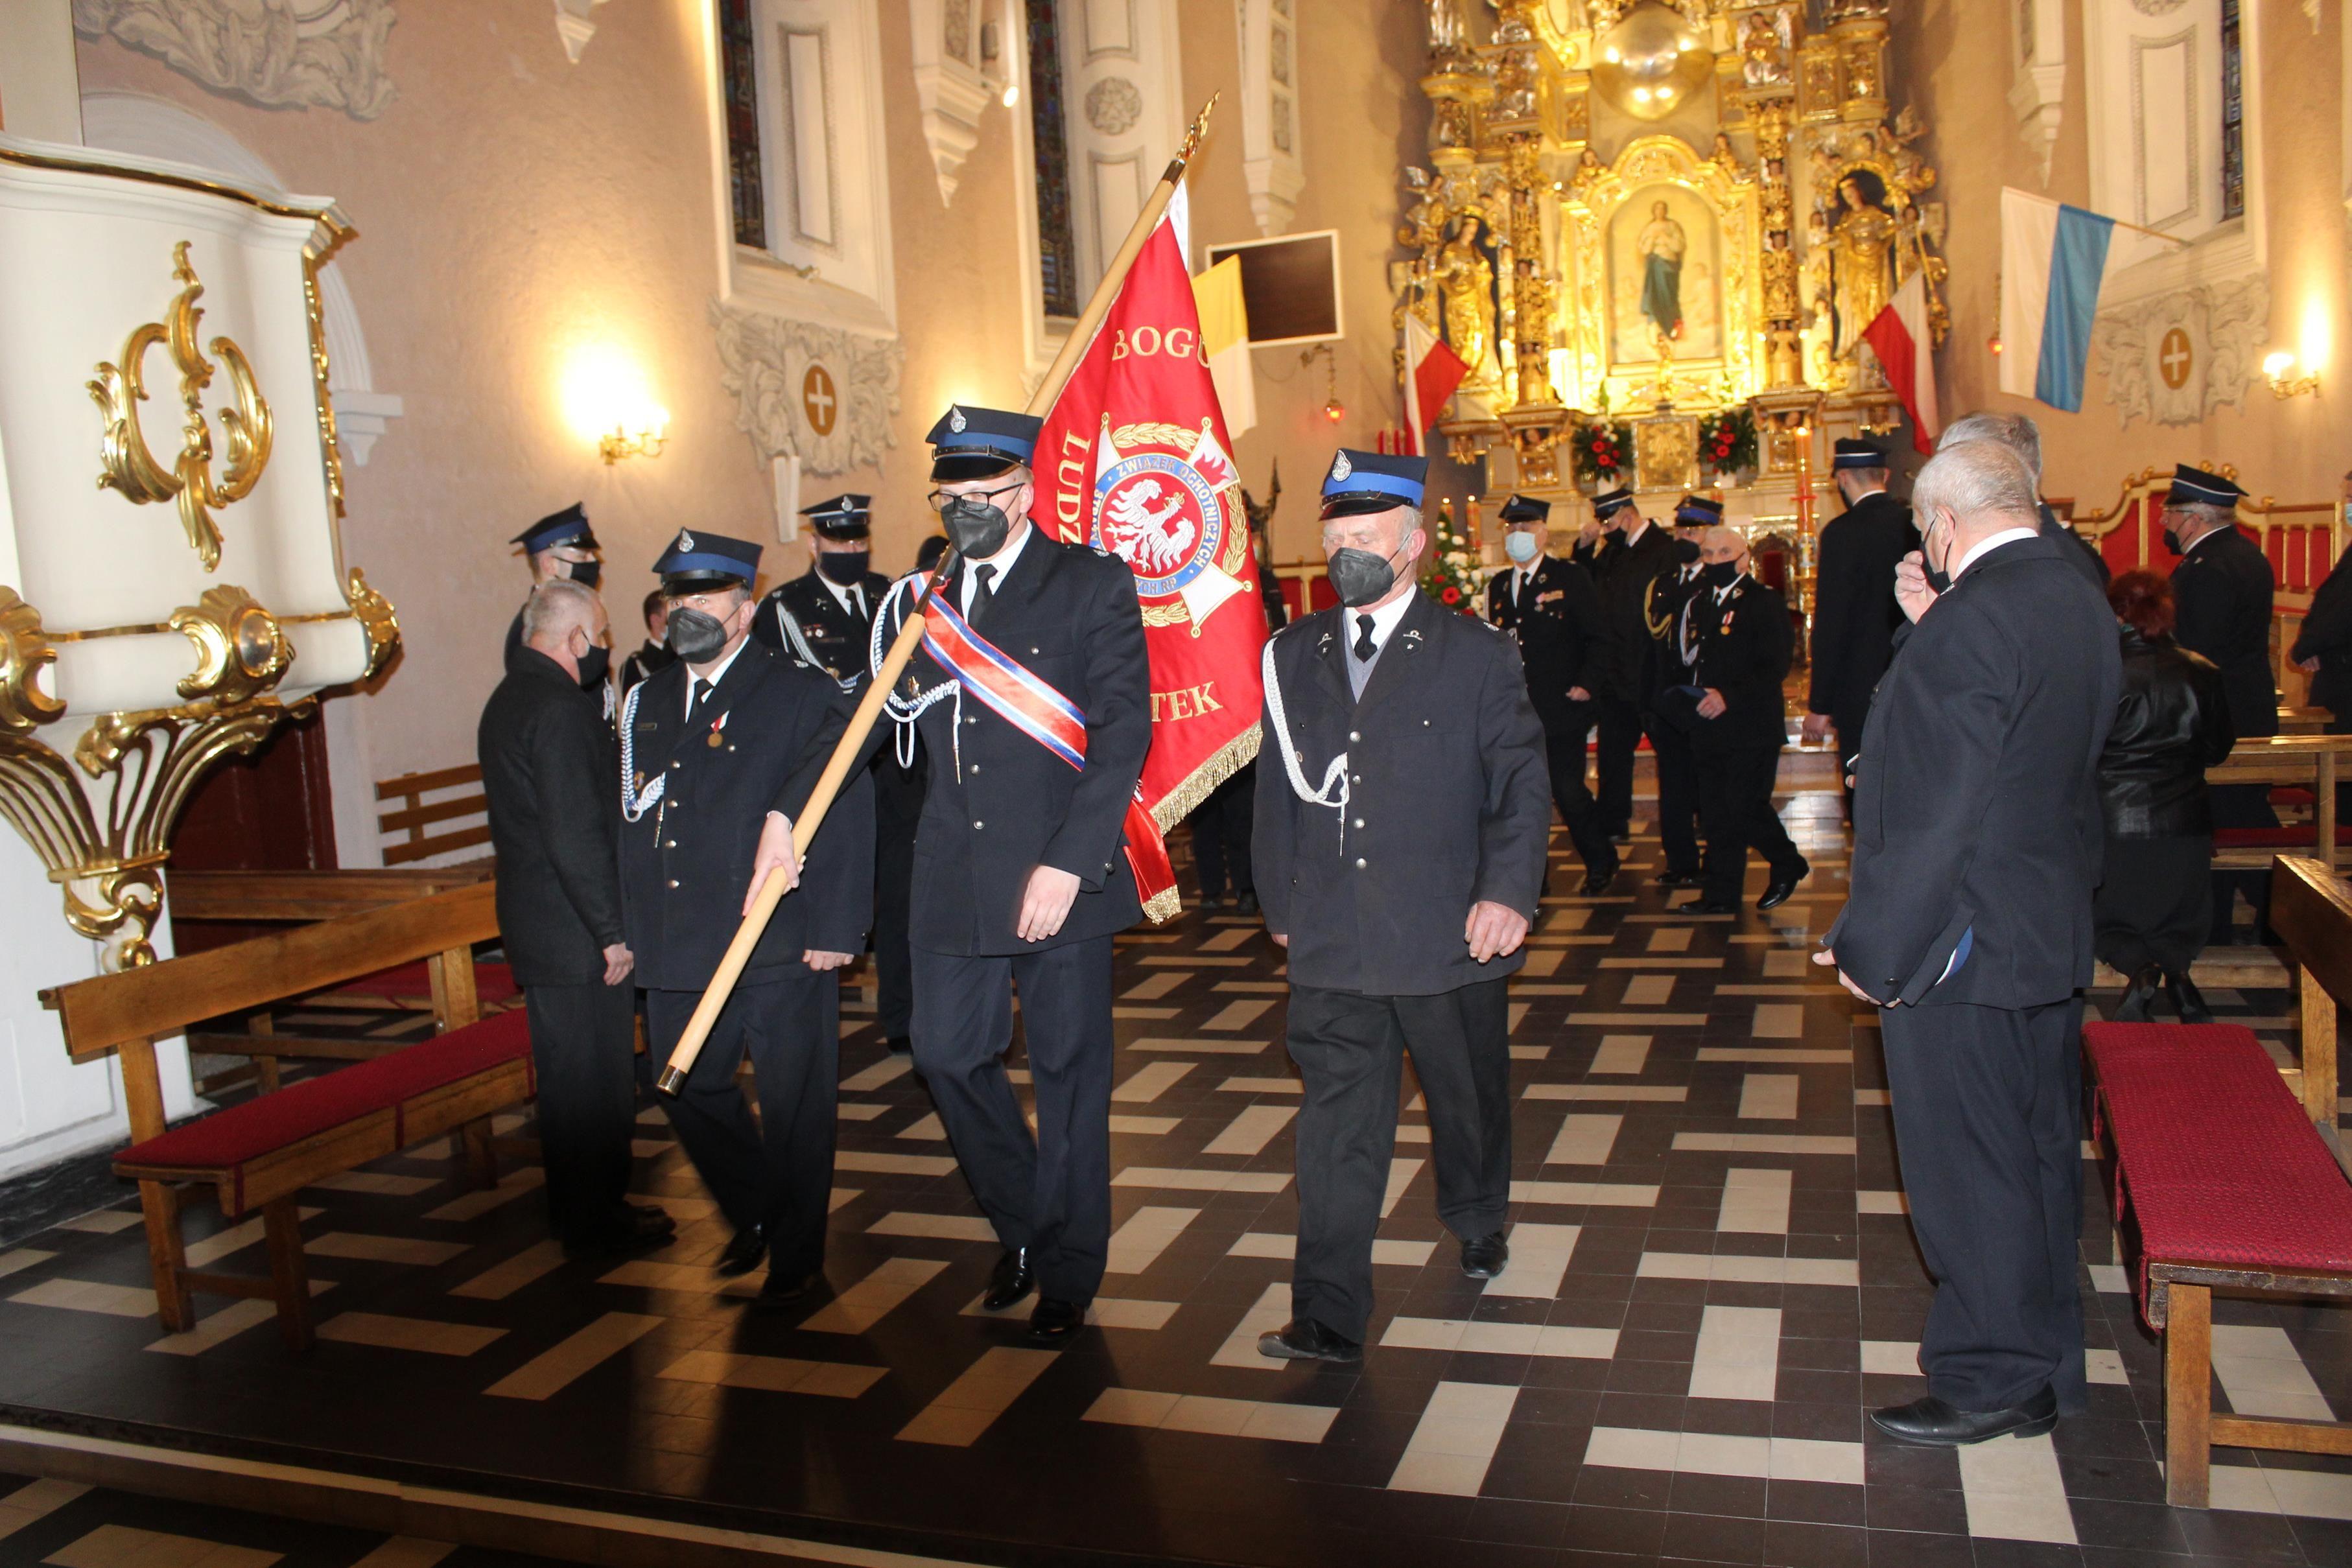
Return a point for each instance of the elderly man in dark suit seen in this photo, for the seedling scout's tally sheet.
(1854, 614)
(1737, 723)
(2023, 438)
(2221, 593)
(1978, 839)
(718, 754)
(1399, 848)
(547, 773)
(1550, 609)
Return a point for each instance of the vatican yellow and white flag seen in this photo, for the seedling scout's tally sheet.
(1224, 338)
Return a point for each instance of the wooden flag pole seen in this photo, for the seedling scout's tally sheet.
(910, 636)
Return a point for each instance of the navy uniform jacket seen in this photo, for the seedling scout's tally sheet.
(687, 862)
(997, 805)
(1744, 646)
(2222, 598)
(547, 771)
(1556, 621)
(1855, 613)
(1622, 574)
(2327, 636)
(1449, 804)
(837, 637)
(1976, 805)
(1661, 614)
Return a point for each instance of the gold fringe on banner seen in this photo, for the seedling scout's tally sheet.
(1198, 785)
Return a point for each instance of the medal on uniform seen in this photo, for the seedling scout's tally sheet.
(717, 724)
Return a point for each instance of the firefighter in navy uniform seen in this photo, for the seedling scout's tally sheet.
(560, 545)
(1020, 875)
(1664, 617)
(1855, 613)
(1401, 883)
(1552, 610)
(718, 752)
(1737, 723)
(1632, 553)
(825, 617)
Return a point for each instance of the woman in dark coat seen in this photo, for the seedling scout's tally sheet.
(2153, 907)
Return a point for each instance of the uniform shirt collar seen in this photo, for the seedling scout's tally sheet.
(2208, 536)
(1985, 547)
(1002, 560)
(1725, 592)
(695, 684)
(1384, 620)
(841, 593)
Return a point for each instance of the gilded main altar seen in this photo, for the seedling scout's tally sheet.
(1642, 219)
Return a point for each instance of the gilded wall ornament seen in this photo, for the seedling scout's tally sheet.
(130, 465)
(241, 650)
(764, 361)
(283, 54)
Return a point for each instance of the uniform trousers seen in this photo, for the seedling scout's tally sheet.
(1988, 1130)
(1049, 1192)
(1620, 721)
(1221, 835)
(2154, 902)
(1734, 806)
(582, 1039)
(778, 1172)
(898, 809)
(1564, 750)
(1678, 811)
(1349, 1049)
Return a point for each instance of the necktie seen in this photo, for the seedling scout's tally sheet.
(858, 603)
(1363, 639)
(702, 692)
(983, 577)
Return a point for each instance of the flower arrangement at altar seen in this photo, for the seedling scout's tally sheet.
(1727, 440)
(1453, 576)
(1603, 451)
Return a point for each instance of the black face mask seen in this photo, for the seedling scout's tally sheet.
(847, 568)
(587, 573)
(1360, 576)
(1686, 550)
(977, 529)
(696, 635)
(593, 664)
(2173, 542)
(1939, 577)
(1720, 573)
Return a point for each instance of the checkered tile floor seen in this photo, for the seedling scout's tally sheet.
(1712, 1280)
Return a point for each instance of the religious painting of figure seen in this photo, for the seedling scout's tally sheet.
(1666, 276)
(1863, 252)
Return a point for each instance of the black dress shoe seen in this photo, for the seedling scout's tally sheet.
(2186, 999)
(743, 1253)
(1246, 904)
(1777, 891)
(1485, 1256)
(1938, 1424)
(1211, 902)
(785, 1292)
(1010, 1281)
(1304, 1339)
(1598, 881)
(1678, 879)
(900, 1045)
(1052, 1321)
(630, 1227)
(1708, 906)
(1621, 835)
(2139, 994)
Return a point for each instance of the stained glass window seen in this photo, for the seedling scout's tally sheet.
(1058, 249)
(739, 81)
(2233, 115)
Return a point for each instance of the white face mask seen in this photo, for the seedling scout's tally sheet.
(1519, 546)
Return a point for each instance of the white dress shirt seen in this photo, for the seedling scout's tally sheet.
(697, 685)
(2006, 536)
(1002, 560)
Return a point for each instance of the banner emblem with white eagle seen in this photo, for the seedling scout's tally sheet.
(1174, 519)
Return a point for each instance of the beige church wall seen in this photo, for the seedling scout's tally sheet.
(1953, 62)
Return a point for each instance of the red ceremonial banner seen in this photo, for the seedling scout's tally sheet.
(1134, 460)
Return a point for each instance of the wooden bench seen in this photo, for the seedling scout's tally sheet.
(416, 814)
(2221, 1181)
(259, 1154)
(2313, 762)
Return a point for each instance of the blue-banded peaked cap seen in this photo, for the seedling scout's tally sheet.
(2196, 488)
(1360, 482)
(970, 443)
(568, 527)
(696, 560)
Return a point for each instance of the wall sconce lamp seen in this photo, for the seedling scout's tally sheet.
(1333, 409)
(2277, 369)
(646, 440)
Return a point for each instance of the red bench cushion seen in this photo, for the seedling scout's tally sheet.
(493, 983)
(2217, 1162)
(223, 1141)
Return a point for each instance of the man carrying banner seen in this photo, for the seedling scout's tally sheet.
(1400, 848)
(1033, 697)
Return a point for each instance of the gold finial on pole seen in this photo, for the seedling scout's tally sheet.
(1193, 135)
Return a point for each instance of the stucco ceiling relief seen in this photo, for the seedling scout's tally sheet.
(2174, 357)
(299, 54)
(818, 393)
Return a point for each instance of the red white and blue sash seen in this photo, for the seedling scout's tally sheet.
(1029, 705)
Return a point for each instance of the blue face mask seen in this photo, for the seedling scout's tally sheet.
(1520, 546)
